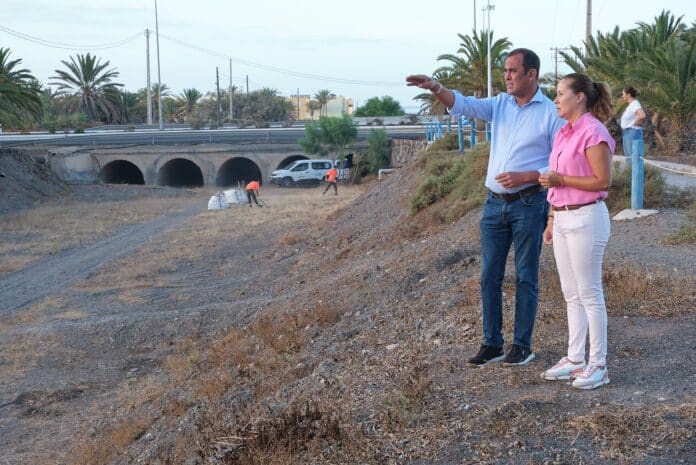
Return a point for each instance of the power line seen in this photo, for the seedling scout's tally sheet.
(282, 70)
(67, 46)
(555, 51)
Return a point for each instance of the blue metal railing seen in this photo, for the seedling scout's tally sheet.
(433, 131)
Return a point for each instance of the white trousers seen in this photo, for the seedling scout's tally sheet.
(579, 239)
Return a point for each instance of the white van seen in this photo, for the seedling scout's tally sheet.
(299, 172)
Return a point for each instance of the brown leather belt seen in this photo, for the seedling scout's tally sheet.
(574, 207)
(517, 195)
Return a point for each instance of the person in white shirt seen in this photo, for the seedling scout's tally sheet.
(631, 119)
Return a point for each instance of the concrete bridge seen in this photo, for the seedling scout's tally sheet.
(205, 165)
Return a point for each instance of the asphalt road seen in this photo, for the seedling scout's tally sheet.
(221, 136)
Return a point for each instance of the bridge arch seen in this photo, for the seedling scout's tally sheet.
(237, 169)
(286, 161)
(180, 172)
(121, 172)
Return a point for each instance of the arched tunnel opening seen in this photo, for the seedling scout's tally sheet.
(287, 161)
(237, 170)
(121, 172)
(180, 172)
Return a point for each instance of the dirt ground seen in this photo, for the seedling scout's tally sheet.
(138, 327)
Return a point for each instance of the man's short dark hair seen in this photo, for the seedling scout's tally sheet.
(530, 60)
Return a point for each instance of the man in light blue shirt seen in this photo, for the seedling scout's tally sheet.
(524, 123)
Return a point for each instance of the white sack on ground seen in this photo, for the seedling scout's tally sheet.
(218, 202)
(236, 196)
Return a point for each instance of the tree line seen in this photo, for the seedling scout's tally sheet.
(85, 92)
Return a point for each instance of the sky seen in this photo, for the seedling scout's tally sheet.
(358, 49)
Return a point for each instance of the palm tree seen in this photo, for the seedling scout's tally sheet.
(612, 56)
(670, 76)
(170, 109)
(323, 96)
(187, 101)
(268, 92)
(430, 105)
(20, 93)
(88, 87)
(657, 58)
(165, 92)
(127, 104)
(312, 106)
(469, 69)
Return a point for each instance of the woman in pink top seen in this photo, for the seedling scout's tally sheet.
(578, 226)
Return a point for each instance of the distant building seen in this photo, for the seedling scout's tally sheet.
(337, 106)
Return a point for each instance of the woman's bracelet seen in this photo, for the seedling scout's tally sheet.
(440, 89)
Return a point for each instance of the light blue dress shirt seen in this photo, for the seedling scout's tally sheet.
(521, 137)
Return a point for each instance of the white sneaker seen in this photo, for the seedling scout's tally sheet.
(592, 376)
(562, 369)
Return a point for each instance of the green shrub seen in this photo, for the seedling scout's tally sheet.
(452, 180)
(195, 122)
(449, 141)
(654, 189)
(378, 154)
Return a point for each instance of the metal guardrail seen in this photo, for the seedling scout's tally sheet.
(218, 136)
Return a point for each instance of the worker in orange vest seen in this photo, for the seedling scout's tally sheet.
(331, 177)
(252, 190)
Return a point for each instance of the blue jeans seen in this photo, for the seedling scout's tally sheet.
(520, 222)
(629, 135)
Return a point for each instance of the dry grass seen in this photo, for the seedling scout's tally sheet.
(151, 265)
(634, 290)
(260, 356)
(632, 434)
(19, 355)
(318, 428)
(111, 443)
(34, 314)
(52, 227)
(12, 263)
(687, 233)
(631, 290)
(406, 404)
(125, 425)
(289, 238)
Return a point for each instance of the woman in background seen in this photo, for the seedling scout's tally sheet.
(631, 119)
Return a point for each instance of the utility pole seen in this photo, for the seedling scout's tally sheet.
(159, 74)
(247, 83)
(588, 26)
(298, 103)
(217, 103)
(555, 61)
(231, 114)
(149, 86)
(475, 13)
(489, 8)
